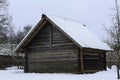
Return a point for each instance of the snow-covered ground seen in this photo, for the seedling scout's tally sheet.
(13, 73)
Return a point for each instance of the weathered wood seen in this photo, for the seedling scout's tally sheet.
(65, 58)
(93, 59)
(81, 60)
(62, 44)
(53, 66)
(47, 48)
(91, 71)
(26, 68)
(50, 35)
(36, 30)
(52, 51)
(104, 61)
(49, 60)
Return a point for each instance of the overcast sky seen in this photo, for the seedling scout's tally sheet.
(92, 13)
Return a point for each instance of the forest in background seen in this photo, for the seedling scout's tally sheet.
(9, 38)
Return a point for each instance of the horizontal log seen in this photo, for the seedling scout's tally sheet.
(90, 54)
(59, 59)
(92, 50)
(94, 68)
(60, 38)
(45, 29)
(39, 43)
(53, 57)
(91, 71)
(54, 70)
(48, 48)
(68, 62)
(54, 53)
(58, 34)
(61, 42)
(54, 66)
(39, 39)
(95, 58)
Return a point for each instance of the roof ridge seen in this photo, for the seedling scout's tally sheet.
(70, 19)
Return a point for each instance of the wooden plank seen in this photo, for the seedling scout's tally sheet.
(61, 38)
(26, 62)
(89, 58)
(45, 30)
(81, 60)
(34, 33)
(62, 49)
(91, 71)
(104, 61)
(56, 66)
(54, 59)
(50, 35)
(62, 44)
(42, 36)
(62, 41)
(89, 50)
(46, 48)
(94, 59)
(41, 41)
(53, 54)
(35, 44)
(56, 34)
(90, 54)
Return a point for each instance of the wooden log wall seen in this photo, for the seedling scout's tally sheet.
(94, 60)
(52, 51)
(8, 61)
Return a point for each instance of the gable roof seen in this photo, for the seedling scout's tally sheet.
(75, 30)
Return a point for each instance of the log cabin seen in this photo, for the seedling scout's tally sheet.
(60, 45)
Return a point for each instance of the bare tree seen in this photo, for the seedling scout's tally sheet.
(5, 20)
(26, 29)
(114, 35)
(21, 34)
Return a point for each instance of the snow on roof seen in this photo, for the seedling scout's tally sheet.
(75, 30)
(79, 33)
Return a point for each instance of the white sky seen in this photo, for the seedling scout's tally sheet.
(92, 13)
